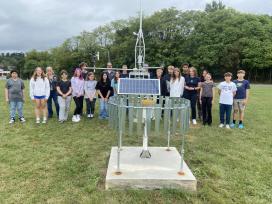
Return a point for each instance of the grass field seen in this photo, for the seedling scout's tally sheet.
(66, 163)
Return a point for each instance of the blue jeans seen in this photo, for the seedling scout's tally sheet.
(103, 113)
(13, 105)
(53, 96)
(225, 109)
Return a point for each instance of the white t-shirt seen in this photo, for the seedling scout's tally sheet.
(177, 87)
(227, 89)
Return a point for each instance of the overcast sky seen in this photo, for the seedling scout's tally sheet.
(43, 24)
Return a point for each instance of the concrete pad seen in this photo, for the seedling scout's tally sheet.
(159, 171)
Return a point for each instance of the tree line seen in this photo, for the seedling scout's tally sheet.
(218, 39)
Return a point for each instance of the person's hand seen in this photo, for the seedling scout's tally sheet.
(91, 98)
(7, 100)
(212, 101)
(106, 99)
(33, 100)
(244, 102)
(200, 101)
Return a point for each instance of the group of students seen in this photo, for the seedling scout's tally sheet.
(201, 93)
(46, 88)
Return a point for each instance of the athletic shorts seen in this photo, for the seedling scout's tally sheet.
(39, 97)
(238, 104)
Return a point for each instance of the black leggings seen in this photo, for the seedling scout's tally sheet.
(90, 105)
(192, 97)
(79, 105)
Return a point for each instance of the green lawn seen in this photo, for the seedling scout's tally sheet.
(66, 163)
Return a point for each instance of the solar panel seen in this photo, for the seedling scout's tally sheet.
(139, 86)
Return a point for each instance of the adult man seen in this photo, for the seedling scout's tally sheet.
(109, 71)
(185, 70)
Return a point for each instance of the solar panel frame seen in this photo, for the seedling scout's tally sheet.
(139, 87)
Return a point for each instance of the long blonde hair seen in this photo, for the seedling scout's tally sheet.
(34, 76)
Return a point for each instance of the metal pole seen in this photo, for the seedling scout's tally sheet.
(118, 171)
(169, 132)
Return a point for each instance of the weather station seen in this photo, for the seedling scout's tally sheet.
(139, 110)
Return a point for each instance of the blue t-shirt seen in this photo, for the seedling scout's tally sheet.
(242, 87)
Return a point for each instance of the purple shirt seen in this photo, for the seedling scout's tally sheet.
(77, 86)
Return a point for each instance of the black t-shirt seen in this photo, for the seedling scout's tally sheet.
(103, 88)
(192, 82)
(64, 86)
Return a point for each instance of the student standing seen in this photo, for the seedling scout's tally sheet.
(64, 89)
(227, 91)
(90, 94)
(192, 85)
(104, 89)
(206, 99)
(124, 72)
(14, 93)
(115, 83)
(177, 84)
(77, 82)
(39, 88)
(240, 99)
(163, 84)
(53, 80)
(167, 77)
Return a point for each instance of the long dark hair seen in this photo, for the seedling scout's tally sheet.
(102, 80)
(115, 78)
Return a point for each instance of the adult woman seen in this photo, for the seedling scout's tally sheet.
(192, 85)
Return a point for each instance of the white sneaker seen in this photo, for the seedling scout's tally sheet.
(78, 118)
(194, 122)
(221, 125)
(44, 120)
(92, 115)
(38, 121)
(12, 120)
(22, 120)
(89, 115)
(74, 118)
(228, 126)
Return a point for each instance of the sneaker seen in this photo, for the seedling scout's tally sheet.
(22, 119)
(12, 120)
(74, 118)
(232, 125)
(61, 121)
(38, 121)
(78, 118)
(44, 121)
(241, 126)
(92, 115)
(89, 116)
(228, 126)
(194, 122)
(221, 125)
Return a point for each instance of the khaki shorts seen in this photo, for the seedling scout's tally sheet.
(238, 104)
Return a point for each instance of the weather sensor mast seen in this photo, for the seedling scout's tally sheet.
(140, 43)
